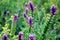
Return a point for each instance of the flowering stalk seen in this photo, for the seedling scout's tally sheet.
(20, 36)
(25, 15)
(53, 10)
(31, 37)
(31, 6)
(30, 22)
(4, 37)
(13, 26)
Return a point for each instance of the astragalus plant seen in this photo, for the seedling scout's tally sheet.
(29, 20)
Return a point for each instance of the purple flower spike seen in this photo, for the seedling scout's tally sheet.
(4, 37)
(20, 36)
(31, 6)
(26, 10)
(53, 9)
(15, 17)
(30, 21)
(31, 37)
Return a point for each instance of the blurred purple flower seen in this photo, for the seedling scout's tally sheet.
(31, 37)
(26, 10)
(15, 17)
(4, 37)
(30, 21)
(53, 9)
(31, 6)
(20, 36)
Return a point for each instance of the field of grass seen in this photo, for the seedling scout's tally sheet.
(29, 19)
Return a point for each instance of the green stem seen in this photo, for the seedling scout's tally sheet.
(46, 28)
(29, 29)
(13, 27)
(32, 14)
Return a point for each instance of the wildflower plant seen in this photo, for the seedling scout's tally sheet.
(29, 20)
(13, 26)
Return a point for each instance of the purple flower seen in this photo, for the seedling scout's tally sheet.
(26, 10)
(31, 37)
(15, 17)
(4, 37)
(53, 9)
(30, 21)
(31, 6)
(20, 36)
